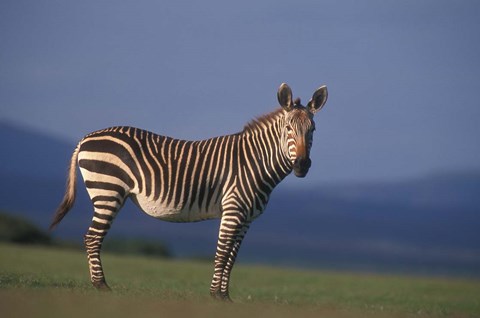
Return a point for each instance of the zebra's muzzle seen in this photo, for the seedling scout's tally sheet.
(301, 166)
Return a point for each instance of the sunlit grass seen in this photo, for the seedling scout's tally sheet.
(54, 283)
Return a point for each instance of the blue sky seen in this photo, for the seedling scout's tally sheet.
(403, 76)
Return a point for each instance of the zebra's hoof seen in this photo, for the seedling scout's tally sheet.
(218, 295)
(101, 286)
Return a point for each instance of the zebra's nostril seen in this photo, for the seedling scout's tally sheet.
(302, 162)
(308, 163)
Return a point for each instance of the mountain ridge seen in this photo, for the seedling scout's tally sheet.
(428, 223)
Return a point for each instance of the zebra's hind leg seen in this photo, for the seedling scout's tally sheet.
(105, 210)
(93, 244)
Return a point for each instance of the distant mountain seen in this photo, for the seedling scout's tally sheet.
(427, 225)
(29, 153)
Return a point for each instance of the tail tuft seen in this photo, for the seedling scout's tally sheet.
(62, 210)
(70, 191)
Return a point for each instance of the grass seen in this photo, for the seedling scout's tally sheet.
(48, 282)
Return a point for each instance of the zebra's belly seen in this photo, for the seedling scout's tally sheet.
(162, 211)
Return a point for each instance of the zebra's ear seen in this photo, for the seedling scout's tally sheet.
(319, 99)
(284, 96)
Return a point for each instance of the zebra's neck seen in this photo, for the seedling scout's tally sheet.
(263, 138)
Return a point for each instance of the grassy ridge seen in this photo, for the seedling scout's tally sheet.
(36, 281)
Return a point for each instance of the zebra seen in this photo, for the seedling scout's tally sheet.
(229, 177)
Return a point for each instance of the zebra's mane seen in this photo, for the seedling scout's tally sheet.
(263, 120)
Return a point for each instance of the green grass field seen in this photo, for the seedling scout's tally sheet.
(49, 282)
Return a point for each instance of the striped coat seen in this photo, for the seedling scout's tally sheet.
(229, 177)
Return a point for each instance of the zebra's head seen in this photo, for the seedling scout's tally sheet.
(299, 126)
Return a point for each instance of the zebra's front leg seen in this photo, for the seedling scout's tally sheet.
(233, 228)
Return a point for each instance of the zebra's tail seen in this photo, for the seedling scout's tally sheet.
(70, 191)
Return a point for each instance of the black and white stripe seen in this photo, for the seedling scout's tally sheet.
(229, 177)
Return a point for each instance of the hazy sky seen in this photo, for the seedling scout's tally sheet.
(403, 76)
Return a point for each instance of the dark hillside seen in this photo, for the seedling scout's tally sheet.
(31, 154)
(428, 224)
